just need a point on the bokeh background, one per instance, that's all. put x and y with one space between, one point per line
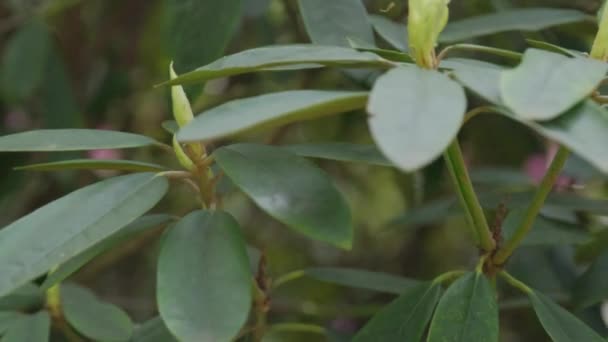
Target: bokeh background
95 64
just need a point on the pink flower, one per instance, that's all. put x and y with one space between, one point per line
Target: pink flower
537 164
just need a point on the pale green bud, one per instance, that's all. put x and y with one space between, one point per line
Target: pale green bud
182 112
182 157
600 46
426 20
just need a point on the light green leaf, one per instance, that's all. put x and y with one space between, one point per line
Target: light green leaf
545 232
368 280
408 124
394 33
561 325
29 328
202 259
547 84
333 22
268 111
404 319
94 164
297 56
290 189
24 60
189 24
467 312
75 223
391 55
7 318
133 229
71 140
592 286
368 154
93 318
24 298
481 79
153 330
524 19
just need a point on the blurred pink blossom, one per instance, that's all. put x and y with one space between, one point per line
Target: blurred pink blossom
105 154
537 164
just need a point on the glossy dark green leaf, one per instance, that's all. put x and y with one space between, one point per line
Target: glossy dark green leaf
24 298
560 324
547 84
368 154
409 126
189 24
297 56
333 22
394 33
268 111
133 229
368 280
290 189
153 330
404 319
592 286
7 318
94 164
71 140
97 320
24 60
468 311
545 232
29 328
75 222
202 259
524 19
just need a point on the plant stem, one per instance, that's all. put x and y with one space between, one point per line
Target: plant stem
515 283
538 201
298 327
477 220
448 276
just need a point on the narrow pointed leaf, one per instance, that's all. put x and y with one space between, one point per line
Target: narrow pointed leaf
73 224
561 325
94 164
297 56
153 330
202 260
368 154
93 318
467 312
404 319
394 33
547 84
29 328
525 19
71 140
592 286
409 126
269 111
333 22
133 229
375 281
290 189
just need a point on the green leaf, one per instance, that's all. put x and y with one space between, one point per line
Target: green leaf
268 111
333 22
545 232
404 319
297 56
553 48
133 229
481 79
394 33
592 286
24 298
407 122
75 223
594 248
367 154
290 189
153 330
368 280
467 312
525 19
204 282
29 328
71 140
7 319
170 126
189 24
24 61
547 84
94 164
93 318
561 325
391 55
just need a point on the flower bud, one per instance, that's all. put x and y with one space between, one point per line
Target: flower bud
600 46
181 106
426 20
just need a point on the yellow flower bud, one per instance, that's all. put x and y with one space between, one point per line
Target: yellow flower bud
600 46
182 112
426 20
